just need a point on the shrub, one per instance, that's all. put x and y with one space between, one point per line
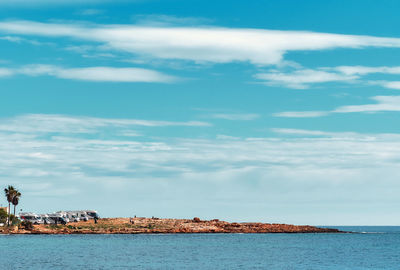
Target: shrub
27 225
15 221
3 215
196 219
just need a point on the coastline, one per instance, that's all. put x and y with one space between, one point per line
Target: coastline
141 225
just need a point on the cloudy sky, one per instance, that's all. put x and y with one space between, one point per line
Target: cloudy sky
274 111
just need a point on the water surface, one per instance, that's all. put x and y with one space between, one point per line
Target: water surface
372 248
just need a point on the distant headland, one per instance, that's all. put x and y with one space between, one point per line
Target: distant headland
89 222
142 225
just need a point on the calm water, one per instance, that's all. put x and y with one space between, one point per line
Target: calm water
375 248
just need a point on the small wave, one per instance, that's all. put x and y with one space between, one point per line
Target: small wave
372 232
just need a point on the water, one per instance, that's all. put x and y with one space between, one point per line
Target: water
372 248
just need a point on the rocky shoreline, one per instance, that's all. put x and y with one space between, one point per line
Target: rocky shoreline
156 225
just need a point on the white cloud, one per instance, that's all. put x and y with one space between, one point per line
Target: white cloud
109 74
301 79
49 123
236 116
11 39
200 44
28 131
319 133
300 132
383 104
99 74
5 72
16 39
301 114
391 85
168 20
226 137
364 70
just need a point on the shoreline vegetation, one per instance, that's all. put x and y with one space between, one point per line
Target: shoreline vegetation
142 225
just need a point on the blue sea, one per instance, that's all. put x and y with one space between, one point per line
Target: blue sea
369 248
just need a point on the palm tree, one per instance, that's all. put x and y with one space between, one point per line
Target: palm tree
15 199
9 191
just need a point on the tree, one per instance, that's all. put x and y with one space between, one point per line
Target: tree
15 199
3 215
9 192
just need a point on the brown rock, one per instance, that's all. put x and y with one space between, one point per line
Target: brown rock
149 225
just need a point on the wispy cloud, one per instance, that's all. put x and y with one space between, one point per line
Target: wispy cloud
391 85
16 39
168 20
326 167
5 72
11 39
301 114
101 74
33 3
236 116
95 74
365 70
383 104
90 12
317 133
302 78
200 44
49 123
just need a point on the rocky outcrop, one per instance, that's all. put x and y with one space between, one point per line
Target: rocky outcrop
156 225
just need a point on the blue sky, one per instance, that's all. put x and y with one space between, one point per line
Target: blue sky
274 111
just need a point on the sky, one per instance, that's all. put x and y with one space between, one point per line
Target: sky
272 111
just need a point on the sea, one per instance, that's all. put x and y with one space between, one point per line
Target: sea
365 248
